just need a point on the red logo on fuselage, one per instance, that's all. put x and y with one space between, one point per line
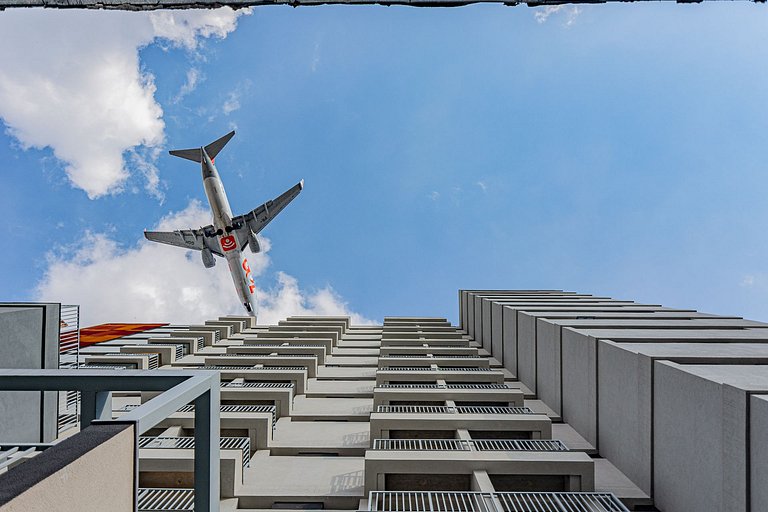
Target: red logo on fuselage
247 268
228 243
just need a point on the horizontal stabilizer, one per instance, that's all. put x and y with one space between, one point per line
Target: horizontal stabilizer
213 149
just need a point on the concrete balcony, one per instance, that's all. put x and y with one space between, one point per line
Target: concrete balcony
432 470
298 331
419 350
298 360
247 340
443 423
168 353
411 374
431 341
192 344
498 394
297 375
279 394
427 360
149 361
319 351
388 501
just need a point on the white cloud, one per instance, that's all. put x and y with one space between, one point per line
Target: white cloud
194 77
153 282
232 103
747 281
71 81
434 195
571 12
482 186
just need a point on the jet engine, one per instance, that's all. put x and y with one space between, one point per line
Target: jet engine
208 260
253 243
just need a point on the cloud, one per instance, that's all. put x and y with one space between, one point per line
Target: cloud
71 81
482 186
434 195
543 13
232 103
194 77
747 281
152 282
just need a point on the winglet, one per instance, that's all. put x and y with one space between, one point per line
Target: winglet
196 154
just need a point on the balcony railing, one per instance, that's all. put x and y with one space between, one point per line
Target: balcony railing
395 385
166 500
403 501
475 409
480 445
258 385
224 408
462 409
416 409
435 369
225 443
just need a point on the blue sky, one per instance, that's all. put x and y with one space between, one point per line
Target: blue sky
610 149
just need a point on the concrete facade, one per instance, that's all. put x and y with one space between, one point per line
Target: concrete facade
536 396
29 338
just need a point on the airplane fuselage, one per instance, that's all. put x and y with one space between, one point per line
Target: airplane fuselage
227 238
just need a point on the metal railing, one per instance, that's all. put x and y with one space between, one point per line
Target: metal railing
559 502
421 445
69 358
13 454
409 386
433 356
478 409
258 385
480 445
180 348
176 388
166 500
153 360
416 409
394 385
403 501
106 366
435 369
225 443
477 386
518 445
461 409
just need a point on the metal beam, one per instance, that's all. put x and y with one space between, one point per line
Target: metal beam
148 5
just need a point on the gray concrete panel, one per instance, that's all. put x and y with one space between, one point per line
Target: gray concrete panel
579 386
579 364
509 338
758 436
548 361
29 336
497 332
688 434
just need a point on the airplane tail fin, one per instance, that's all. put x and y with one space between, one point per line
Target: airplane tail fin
213 149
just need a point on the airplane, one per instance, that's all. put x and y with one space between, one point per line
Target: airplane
228 236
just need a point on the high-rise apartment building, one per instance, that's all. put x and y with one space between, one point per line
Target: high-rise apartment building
539 400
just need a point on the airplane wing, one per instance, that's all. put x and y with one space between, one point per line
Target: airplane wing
186 238
257 219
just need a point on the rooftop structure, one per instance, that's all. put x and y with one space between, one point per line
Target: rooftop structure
537 401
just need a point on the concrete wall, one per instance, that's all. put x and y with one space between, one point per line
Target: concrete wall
91 471
689 443
758 433
29 338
